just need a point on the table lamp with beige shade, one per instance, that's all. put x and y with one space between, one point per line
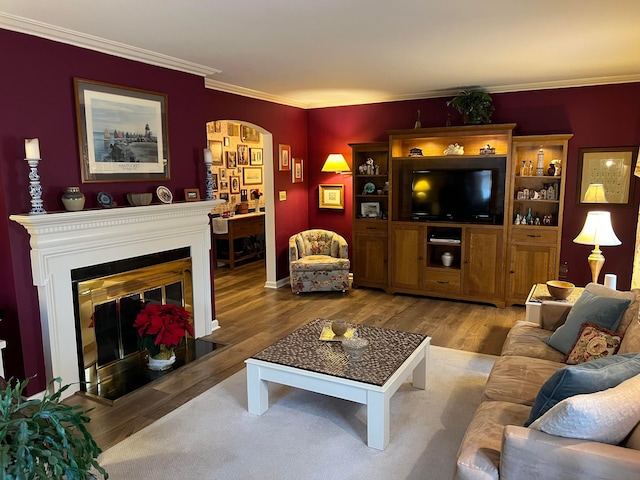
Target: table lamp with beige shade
597 231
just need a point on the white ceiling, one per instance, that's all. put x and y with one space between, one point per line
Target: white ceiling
314 53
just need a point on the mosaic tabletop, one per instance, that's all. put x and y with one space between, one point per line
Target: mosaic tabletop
541 294
303 349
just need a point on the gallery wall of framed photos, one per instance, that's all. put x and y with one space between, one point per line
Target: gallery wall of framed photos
238 165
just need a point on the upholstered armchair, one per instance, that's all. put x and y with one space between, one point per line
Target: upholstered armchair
318 262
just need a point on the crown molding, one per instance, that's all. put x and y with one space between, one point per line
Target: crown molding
443 93
572 83
70 37
247 92
52 32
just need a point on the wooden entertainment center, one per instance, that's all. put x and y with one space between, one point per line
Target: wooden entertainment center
490 259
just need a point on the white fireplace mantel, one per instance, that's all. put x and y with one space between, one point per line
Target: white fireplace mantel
62 242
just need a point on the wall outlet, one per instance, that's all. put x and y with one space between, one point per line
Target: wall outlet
282 195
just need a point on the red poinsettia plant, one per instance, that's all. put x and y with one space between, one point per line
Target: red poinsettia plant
162 327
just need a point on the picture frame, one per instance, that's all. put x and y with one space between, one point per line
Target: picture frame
331 196
224 185
255 155
216 152
252 175
234 184
231 159
613 167
284 157
243 155
191 195
297 170
233 129
249 134
214 181
122 133
370 209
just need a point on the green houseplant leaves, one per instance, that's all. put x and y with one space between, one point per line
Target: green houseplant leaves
475 106
44 438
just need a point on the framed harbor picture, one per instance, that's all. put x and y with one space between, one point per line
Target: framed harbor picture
122 133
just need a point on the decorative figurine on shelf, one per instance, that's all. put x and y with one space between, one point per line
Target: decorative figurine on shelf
368 167
415 152
454 149
551 193
557 165
540 166
551 171
487 150
418 123
529 218
524 171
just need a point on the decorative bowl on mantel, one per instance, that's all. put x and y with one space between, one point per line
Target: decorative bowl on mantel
139 199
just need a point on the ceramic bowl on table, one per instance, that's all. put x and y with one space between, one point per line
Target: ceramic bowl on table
559 289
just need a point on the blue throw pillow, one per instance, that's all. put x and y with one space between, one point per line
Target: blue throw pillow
587 377
606 312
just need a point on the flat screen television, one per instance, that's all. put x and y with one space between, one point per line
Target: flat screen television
457 195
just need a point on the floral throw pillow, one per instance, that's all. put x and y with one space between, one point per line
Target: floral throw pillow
593 342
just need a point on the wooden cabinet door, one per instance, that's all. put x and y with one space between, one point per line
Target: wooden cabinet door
528 265
482 268
407 256
370 260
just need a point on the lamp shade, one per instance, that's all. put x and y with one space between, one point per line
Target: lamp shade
597 230
335 162
595 194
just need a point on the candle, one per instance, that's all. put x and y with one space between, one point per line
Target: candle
208 158
32 148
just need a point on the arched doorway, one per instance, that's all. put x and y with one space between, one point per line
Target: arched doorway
231 133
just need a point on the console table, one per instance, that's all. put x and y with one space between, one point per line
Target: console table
232 228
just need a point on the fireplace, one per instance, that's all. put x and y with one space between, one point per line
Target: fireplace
62 243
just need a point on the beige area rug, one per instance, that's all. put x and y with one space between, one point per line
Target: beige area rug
306 435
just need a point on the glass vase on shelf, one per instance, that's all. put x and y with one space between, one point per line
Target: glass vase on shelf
524 171
529 218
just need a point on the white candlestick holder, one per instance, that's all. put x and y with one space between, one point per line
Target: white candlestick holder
208 181
35 189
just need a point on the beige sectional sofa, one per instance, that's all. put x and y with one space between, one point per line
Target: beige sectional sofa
497 445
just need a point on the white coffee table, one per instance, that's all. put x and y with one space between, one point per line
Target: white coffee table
303 361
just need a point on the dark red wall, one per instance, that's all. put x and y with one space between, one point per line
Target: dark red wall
602 116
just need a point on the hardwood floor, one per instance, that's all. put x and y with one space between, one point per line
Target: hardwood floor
251 317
